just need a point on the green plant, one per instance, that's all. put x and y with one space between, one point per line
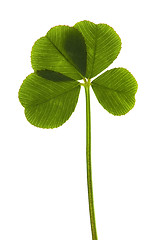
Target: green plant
60 60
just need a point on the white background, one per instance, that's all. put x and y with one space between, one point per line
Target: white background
43 191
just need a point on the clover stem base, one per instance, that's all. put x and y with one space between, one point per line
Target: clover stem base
89 166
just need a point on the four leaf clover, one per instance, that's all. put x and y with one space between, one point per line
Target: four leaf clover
61 59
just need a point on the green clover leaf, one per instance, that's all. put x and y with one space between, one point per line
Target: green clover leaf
49 98
67 54
103 46
62 50
115 90
60 60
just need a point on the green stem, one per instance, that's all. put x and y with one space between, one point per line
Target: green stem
89 166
